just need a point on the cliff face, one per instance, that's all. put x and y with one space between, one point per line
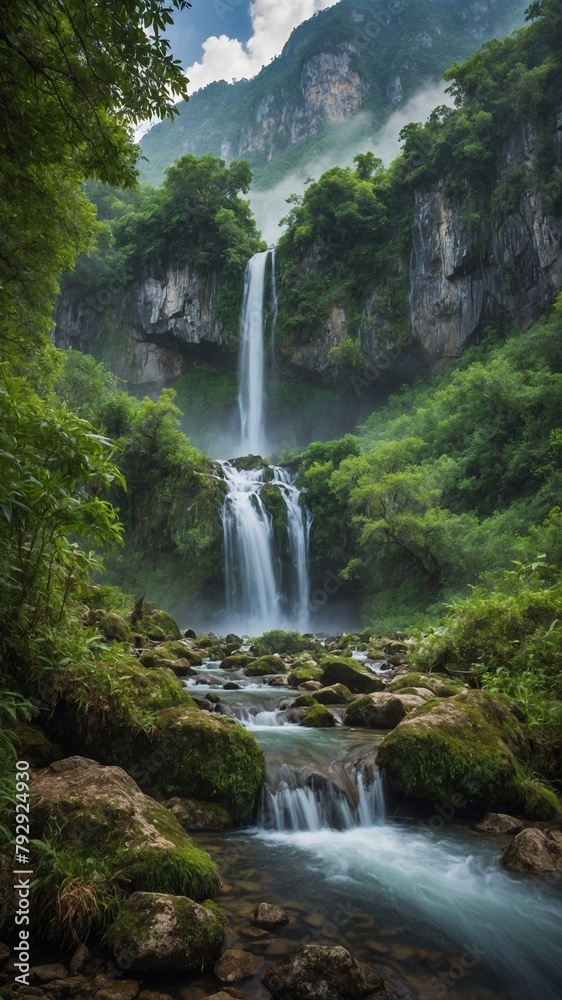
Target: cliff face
147 333
455 289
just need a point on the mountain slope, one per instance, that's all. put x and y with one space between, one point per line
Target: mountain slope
365 56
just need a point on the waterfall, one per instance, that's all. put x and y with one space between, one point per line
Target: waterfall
251 581
250 396
264 589
298 528
320 803
260 590
275 301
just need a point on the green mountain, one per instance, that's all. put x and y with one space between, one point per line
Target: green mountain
338 79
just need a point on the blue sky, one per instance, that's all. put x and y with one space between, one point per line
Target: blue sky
233 39
206 17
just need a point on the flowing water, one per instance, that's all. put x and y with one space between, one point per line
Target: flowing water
426 900
251 395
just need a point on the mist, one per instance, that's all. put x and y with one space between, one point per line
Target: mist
357 136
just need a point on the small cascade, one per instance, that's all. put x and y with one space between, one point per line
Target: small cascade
301 801
250 396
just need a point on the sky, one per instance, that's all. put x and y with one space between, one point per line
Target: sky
233 39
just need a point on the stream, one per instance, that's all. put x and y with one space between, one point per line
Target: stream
432 906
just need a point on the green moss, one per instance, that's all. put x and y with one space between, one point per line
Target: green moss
178 650
185 871
440 684
236 660
539 802
300 674
305 700
318 717
265 665
33 745
344 670
158 625
288 643
469 746
114 628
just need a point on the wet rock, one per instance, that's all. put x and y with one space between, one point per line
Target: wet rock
213 697
534 851
73 988
310 686
79 960
116 989
383 710
343 670
336 694
237 661
318 717
231 686
156 932
46 973
265 665
180 667
278 680
319 972
233 966
499 823
256 933
475 745
194 815
269 917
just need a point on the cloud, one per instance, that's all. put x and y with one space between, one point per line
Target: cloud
226 58
356 136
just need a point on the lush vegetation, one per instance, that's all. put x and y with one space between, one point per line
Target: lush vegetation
349 239
195 218
415 42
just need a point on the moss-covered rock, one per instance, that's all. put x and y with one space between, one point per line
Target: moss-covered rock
157 625
144 721
265 665
466 749
237 661
194 815
114 628
177 650
337 694
109 838
304 700
159 933
344 670
441 685
298 674
382 710
318 717
33 745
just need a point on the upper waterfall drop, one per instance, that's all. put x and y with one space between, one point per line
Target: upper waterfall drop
251 391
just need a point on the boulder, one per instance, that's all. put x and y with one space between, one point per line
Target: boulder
234 965
534 851
320 972
157 625
336 694
178 649
113 627
318 717
237 661
79 960
278 680
115 989
269 917
199 815
46 973
383 710
466 750
101 811
265 665
310 686
155 932
343 670
499 823
300 673
441 685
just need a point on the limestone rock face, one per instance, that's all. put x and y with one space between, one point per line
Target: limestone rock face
455 290
318 972
534 851
156 932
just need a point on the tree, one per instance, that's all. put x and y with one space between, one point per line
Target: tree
76 77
